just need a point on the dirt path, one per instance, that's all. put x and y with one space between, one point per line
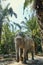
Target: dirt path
15 63
38 61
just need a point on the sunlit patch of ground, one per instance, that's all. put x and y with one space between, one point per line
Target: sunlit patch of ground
17 63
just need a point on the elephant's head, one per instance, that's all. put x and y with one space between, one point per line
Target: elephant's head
19 39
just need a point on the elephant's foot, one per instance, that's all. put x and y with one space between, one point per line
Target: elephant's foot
32 58
21 58
24 61
17 59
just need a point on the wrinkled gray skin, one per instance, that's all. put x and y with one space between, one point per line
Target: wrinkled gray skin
23 45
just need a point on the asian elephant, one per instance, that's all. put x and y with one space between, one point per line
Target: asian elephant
23 45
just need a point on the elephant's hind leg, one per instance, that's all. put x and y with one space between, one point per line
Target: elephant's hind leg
32 53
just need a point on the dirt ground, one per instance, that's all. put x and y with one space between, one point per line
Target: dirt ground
38 61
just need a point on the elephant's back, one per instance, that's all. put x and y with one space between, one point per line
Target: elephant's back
29 43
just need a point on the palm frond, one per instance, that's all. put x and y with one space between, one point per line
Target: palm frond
17 25
12 12
26 3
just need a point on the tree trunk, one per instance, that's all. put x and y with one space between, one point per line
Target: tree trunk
40 18
38 5
0 31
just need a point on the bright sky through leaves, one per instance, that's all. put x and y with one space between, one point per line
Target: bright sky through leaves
17 6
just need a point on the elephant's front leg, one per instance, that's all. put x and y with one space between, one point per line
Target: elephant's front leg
17 54
21 52
27 55
24 56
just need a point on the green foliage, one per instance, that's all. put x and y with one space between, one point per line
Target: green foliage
4 15
6 12
33 30
7 39
27 2
16 24
32 26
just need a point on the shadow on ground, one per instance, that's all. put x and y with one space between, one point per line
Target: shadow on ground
35 62
29 62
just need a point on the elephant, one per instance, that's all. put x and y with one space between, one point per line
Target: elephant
23 45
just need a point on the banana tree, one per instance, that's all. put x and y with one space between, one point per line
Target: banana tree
3 14
7 38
